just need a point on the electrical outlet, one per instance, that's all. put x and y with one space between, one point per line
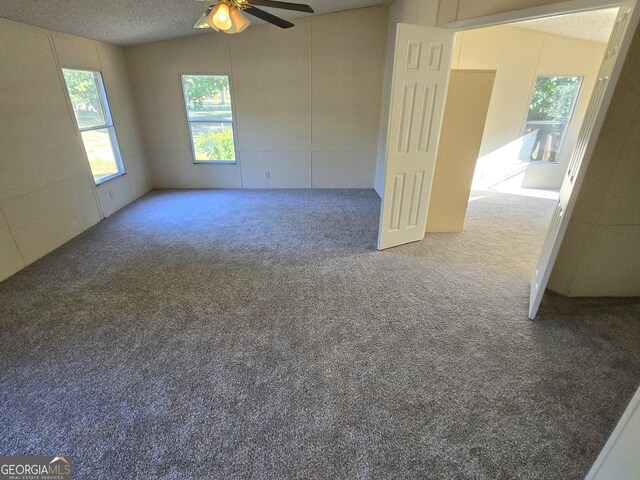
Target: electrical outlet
267 174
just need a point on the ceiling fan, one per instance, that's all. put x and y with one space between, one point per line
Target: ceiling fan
228 15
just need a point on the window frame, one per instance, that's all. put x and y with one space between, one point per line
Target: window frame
189 122
573 111
109 125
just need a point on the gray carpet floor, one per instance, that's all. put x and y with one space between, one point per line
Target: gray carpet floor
259 334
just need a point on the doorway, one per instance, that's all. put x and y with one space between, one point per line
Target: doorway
408 174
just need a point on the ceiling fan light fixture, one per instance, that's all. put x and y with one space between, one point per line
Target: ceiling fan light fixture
239 20
209 19
202 21
221 18
229 15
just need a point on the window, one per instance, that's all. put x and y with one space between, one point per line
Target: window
550 111
89 101
207 99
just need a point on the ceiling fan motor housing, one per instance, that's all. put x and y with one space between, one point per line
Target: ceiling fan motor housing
239 4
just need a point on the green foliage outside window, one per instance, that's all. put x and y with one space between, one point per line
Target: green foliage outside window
83 92
198 88
553 98
215 145
210 116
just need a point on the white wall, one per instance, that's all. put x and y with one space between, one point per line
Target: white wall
520 56
47 193
307 102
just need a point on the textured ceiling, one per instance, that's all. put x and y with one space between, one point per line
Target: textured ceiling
129 22
594 26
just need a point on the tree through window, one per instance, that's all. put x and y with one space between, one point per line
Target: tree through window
210 116
550 110
91 109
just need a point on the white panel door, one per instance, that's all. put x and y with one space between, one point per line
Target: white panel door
419 87
594 117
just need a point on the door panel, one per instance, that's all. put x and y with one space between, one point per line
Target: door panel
419 85
581 155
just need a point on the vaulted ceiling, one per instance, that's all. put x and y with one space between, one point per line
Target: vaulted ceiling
130 22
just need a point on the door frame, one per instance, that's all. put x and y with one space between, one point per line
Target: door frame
533 13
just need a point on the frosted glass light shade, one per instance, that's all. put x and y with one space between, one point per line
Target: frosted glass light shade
240 21
222 19
209 19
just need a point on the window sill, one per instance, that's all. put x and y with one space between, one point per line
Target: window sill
104 180
214 162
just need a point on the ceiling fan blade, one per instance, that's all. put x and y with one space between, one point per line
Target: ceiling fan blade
201 23
267 17
298 7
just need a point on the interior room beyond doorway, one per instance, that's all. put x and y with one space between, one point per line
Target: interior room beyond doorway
545 74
